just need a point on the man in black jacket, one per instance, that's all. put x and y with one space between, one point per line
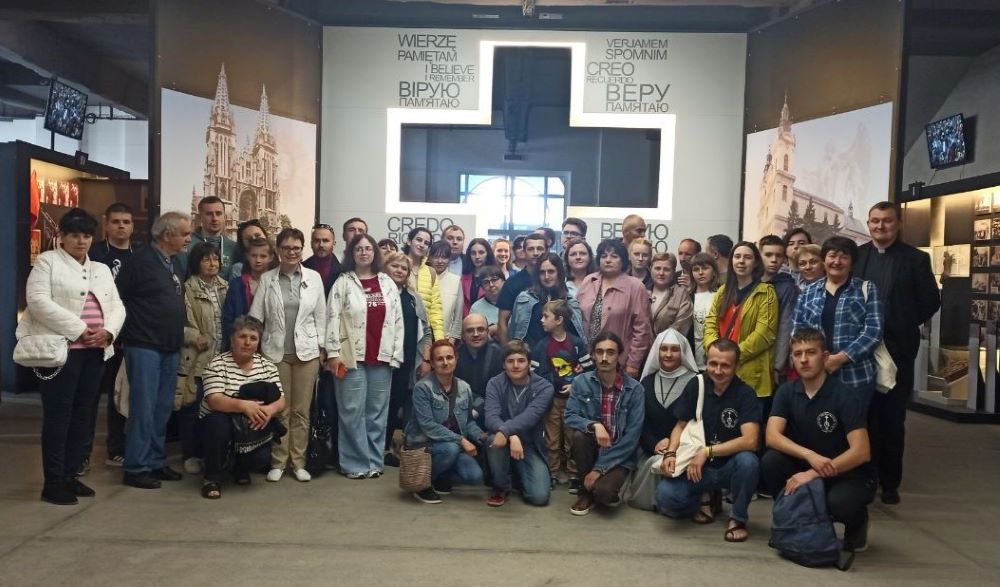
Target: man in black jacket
479 360
152 287
909 294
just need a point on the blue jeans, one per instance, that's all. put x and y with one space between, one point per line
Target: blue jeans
532 470
152 380
679 497
362 411
450 463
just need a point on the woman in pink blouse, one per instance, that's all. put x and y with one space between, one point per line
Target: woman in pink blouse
71 297
614 301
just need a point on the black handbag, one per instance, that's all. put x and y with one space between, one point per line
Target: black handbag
320 437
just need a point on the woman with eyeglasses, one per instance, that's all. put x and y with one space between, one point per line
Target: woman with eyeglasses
477 255
364 339
291 304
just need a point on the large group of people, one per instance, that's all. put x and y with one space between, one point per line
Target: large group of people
517 367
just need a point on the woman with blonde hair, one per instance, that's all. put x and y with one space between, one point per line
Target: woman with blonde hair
670 303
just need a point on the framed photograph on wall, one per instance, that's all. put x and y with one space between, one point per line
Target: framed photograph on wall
984 203
995 233
994 311
980 283
994 283
981 256
981 229
978 309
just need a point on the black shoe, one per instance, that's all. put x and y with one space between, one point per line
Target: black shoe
428 495
79 489
166 474
890 496
141 480
58 494
390 460
443 487
574 486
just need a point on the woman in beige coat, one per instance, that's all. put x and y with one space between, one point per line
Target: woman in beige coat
670 305
204 294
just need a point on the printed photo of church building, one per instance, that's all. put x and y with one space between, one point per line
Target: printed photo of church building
244 177
783 206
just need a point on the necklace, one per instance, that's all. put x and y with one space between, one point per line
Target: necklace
659 390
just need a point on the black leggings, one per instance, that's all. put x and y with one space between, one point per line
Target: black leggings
846 495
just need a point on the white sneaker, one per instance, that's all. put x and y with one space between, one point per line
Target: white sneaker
302 475
275 475
192 466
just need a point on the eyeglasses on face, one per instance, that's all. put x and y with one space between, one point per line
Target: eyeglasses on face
291 250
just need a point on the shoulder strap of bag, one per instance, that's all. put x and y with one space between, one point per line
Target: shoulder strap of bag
701 397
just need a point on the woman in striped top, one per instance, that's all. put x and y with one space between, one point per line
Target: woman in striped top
223 380
72 297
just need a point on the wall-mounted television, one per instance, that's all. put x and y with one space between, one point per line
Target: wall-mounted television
946 142
66 110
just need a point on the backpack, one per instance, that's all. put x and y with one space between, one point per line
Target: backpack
320 447
802 530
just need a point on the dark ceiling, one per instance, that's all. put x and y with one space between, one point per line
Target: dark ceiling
105 47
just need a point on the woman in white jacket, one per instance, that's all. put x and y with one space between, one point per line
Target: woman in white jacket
364 340
76 299
291 303
450 285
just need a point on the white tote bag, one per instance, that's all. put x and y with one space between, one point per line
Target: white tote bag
693 435
885 367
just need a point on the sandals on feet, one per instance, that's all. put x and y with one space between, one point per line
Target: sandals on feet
732 532
211 490
706 517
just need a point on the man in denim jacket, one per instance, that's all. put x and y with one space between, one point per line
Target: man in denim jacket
605 410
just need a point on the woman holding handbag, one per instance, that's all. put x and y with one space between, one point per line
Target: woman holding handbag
364 342
70 301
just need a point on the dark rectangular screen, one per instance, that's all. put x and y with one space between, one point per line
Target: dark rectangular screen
66 111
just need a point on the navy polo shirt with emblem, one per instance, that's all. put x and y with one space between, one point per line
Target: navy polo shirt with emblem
819 424
723 415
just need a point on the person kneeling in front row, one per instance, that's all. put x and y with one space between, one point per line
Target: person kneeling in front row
516 403
605 410
442 421
731 416
818 428
243 385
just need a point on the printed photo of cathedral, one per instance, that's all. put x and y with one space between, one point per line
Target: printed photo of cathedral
244 177
844 174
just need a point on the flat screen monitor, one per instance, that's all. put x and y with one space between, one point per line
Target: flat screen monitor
66 111
946 142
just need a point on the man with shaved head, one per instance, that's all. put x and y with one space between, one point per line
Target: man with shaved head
479 359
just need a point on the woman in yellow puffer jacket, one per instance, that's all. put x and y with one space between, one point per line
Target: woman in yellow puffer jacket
422 279
745 310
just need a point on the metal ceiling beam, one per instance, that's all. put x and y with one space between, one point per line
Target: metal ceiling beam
37 48
68 11
12 97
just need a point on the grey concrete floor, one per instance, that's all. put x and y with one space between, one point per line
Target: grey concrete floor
336 531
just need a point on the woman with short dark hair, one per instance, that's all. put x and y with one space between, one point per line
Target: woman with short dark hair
204 294
291 303
450 287
75 300
614 301
849 313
